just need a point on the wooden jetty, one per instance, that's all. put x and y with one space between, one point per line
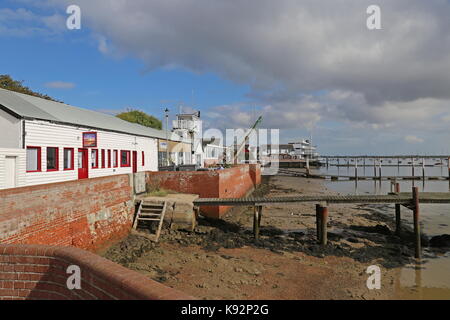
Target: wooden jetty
409 200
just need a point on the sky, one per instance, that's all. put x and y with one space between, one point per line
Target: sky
310 68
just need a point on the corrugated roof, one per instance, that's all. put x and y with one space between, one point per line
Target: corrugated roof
31 107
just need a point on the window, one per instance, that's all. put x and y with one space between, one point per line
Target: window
109 158
103 158
143 158
68 158
52 159
125 159
115 159
94 158
33 159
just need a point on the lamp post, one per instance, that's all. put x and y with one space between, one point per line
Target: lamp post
167 136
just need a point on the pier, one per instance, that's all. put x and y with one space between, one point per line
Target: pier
410 200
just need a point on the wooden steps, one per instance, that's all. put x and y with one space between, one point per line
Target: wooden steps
151 211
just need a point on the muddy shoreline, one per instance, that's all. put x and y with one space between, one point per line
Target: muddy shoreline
221 260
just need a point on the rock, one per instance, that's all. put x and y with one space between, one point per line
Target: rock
353 240
440 241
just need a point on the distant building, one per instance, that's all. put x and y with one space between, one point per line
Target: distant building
304 149
189 126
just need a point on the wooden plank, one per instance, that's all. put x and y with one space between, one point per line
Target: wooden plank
137 215
158 232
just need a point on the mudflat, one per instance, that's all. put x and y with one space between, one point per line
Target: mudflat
222 260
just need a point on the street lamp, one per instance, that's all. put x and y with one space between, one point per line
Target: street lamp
167 136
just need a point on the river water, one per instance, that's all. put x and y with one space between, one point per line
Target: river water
430 280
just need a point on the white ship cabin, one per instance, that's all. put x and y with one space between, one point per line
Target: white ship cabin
42 142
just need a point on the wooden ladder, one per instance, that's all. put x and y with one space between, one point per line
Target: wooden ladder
151 211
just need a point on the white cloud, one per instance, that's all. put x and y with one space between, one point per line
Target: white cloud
413 139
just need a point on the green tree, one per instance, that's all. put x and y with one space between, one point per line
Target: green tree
8 83
139 117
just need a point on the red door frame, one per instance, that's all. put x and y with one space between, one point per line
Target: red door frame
135 161
83 173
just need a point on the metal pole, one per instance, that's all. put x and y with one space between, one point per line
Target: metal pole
167 136
415 192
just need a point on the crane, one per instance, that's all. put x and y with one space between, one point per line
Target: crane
242 145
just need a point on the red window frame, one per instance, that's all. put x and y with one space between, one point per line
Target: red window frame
56 160
73 159
39 158
109 158
116 156
103 158
128 164
143 158
96 160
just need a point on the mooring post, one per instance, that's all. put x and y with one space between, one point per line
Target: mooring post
318 221
398 221
356 169
374 168
448 172
379 169
423 169
415 192
412 166
257 210
323 225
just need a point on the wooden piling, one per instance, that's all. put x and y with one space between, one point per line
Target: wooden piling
323 225
356 169
449 172
416 209
423 169
374 168
398 221
318 221
257 213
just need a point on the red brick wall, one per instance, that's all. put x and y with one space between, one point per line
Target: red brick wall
235 182
40 272
87 214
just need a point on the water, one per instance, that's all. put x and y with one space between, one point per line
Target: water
432 279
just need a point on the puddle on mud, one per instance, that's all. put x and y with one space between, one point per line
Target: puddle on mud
432 279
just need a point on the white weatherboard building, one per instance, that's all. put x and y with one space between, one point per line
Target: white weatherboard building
42 142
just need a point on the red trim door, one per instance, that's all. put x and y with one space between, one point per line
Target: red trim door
83 164
135 162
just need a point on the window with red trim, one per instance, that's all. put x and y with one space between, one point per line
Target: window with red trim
109 158
94 158
125 158
115 159
103 159
52 159
69 158
34 159
143 158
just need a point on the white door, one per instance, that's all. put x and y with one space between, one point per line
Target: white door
10 166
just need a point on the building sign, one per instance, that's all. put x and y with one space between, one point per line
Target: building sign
89 139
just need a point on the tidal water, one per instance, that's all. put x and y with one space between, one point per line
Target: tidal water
430 279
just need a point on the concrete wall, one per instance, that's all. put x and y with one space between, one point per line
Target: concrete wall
36 272
87 214
235 182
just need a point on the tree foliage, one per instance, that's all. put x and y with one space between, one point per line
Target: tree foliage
139 117
8 83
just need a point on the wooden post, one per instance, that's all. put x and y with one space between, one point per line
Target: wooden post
449 172
374 168
412 166
323 225
307 166
256 220
318 221
379 169
423 169
356 169
398 221
415 192
327 162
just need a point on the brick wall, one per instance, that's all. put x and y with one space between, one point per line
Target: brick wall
40 272
235 182
87 214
